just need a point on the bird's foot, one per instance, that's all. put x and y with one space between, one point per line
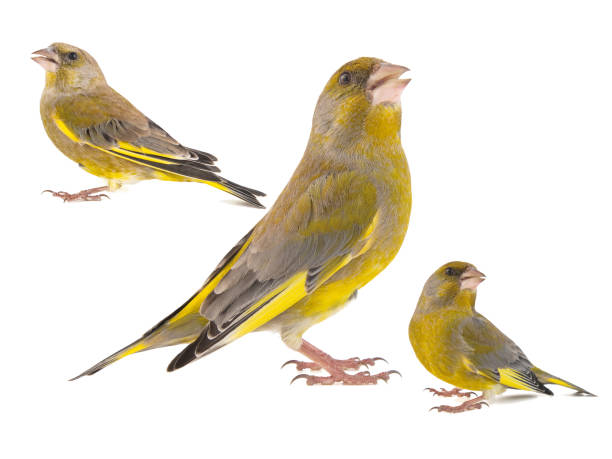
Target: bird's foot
354 363
319 360
456 392
362 378
469 405
86 195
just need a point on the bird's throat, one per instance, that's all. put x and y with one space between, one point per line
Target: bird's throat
384 121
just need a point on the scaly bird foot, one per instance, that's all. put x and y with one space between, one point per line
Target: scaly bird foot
354 363
85 195
336 369
456 392
469 405
360 379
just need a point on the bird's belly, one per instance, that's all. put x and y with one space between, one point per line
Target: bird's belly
310 310
110 167
334 294
98 162
432 340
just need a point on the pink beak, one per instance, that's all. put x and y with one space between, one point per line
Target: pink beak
384 85
471 279
47 58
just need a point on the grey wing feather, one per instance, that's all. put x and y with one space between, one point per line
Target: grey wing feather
148 135
491 351
276 256
284 244
491 348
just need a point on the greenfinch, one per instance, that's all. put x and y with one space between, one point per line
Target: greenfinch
106 135
461 347
338 223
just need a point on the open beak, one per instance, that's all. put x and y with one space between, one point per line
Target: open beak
47 58
384 85
471 278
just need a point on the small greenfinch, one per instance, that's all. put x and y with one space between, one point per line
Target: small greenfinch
338 223
461 347
106 135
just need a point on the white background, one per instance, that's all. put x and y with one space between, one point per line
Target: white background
506 128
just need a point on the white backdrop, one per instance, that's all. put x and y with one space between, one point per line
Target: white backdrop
506 128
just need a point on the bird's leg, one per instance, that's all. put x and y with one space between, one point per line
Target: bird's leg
469 405
336 368
85 195
456 392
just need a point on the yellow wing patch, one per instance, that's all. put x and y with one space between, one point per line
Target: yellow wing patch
284 297
198 299
65 130
519 380
368 232
134 152
288 294
139 155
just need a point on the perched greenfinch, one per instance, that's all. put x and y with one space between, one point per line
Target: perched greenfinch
461 347
106 135
338 223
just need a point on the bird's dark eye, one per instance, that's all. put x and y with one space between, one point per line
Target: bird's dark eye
73 56
345 78
451 272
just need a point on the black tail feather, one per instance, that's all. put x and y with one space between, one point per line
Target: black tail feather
205 171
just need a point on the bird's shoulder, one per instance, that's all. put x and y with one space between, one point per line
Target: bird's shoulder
330 202
97 107
488 347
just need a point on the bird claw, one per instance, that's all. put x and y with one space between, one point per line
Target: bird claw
85 195
358 379
299 366
353 363
460 408
456 392
468 405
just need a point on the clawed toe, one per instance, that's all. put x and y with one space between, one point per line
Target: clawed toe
456 392
358 379
469 405
372 361
337 369
354 363
300 366
460 408
85 195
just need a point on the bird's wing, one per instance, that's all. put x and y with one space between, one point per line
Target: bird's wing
300 244
492 354
108 122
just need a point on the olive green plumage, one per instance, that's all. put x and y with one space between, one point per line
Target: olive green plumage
460 346
106 135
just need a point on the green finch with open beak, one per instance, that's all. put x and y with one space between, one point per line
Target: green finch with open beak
338 223
106 135
461 347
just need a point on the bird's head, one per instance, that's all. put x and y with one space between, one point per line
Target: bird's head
364 93
453 283
69 67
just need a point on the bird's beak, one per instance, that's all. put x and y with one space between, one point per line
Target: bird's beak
384 85
471 278
47 58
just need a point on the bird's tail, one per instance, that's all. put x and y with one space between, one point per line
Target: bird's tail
547 378
189 171
185 324
182 326
241 192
